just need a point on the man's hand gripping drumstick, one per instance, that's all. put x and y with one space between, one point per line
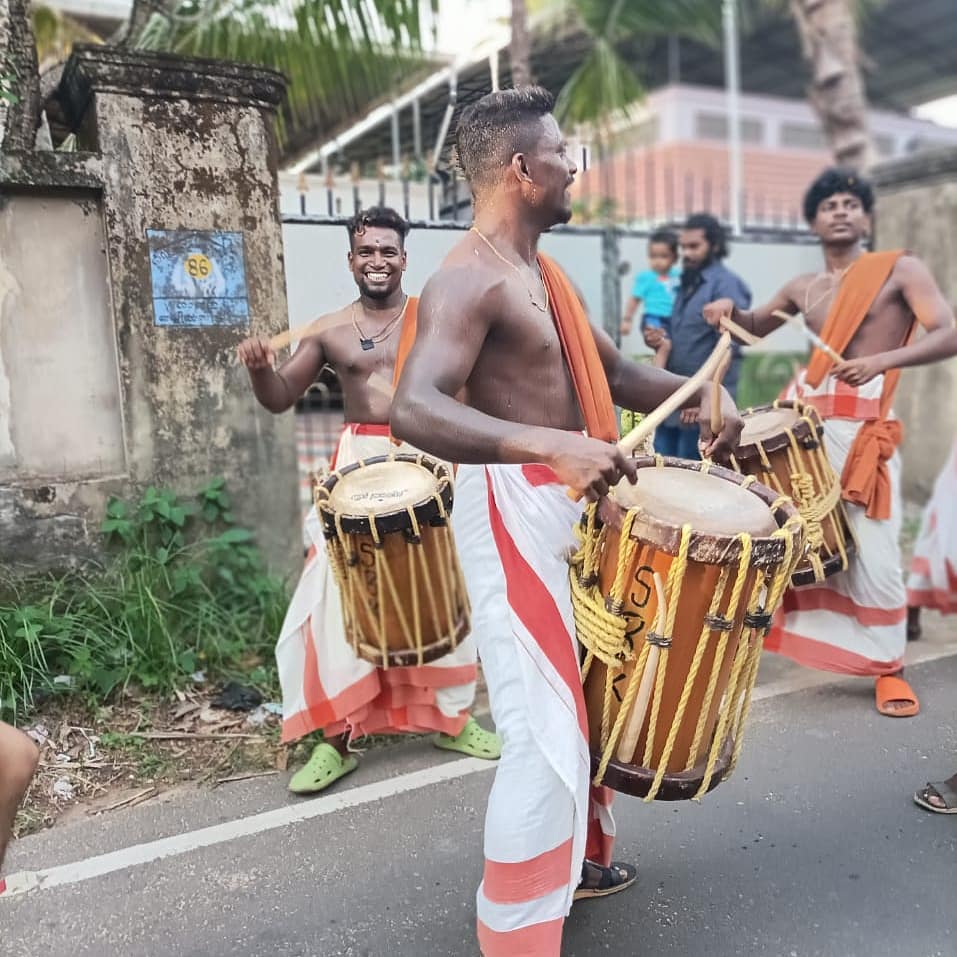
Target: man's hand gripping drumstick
673 403
260 353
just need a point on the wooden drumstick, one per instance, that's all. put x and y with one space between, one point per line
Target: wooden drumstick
717 419
675 401
313 328
748 338
629 737
808 333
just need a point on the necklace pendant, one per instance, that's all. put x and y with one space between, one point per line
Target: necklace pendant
367 344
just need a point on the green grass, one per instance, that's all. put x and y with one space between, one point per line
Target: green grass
184 590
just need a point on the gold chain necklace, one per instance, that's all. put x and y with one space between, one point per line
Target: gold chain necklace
834 285
507 262
369 342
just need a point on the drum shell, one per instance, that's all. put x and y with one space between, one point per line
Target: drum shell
403 597
810 450
414 567
743 557
698 586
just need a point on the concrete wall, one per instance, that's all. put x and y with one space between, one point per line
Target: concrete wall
167 144
917 210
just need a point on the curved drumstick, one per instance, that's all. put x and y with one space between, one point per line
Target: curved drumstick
717 420
675 401
809 333
629 737
748 338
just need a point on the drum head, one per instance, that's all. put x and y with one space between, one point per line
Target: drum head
761 424
709 504
382 487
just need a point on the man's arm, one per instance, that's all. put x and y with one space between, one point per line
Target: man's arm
642 388
278 390
758 321
454 320
926 302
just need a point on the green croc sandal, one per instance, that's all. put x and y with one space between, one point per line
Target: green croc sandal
473 740
325 766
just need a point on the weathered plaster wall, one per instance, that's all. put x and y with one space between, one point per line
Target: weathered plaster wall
183 145
917 210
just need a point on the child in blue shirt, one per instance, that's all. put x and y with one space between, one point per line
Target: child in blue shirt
655 289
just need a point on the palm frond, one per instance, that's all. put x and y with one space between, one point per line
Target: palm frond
601 85
336 54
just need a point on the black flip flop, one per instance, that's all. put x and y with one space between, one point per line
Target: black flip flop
617 877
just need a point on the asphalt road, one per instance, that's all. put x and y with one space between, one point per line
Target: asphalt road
813 849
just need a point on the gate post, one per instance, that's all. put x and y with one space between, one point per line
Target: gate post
611 282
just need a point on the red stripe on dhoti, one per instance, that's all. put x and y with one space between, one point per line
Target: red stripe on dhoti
535 607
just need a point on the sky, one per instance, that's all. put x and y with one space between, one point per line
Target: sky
943 111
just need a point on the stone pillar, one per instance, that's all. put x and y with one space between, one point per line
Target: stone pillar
185 181
917 210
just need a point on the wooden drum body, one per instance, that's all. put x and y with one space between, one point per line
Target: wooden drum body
386 523
673 591
782 446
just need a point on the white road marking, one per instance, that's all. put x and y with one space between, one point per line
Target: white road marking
241 827
138 854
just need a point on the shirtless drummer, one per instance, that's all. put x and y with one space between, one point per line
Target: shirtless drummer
505 325
325 686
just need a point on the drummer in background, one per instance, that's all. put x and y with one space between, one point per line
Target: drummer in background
865 306
506 326
325 685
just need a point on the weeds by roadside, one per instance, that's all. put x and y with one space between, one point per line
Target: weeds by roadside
185 590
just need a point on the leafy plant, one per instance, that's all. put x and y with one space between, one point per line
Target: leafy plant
185 589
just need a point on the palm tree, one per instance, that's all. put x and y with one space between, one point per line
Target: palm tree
520 48
337 54
828 31
604 83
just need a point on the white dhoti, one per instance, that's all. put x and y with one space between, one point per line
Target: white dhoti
933 572
324 685
853 622
543 815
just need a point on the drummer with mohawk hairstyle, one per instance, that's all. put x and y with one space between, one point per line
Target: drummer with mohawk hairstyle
501 326
865 307
325 685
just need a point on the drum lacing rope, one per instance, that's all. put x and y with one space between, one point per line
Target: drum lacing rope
791 532
815 507
602 631
610 738
719 736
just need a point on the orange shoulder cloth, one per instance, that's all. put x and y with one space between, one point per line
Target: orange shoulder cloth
581 353
865 480
406 337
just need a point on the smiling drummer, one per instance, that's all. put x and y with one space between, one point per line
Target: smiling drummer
325 686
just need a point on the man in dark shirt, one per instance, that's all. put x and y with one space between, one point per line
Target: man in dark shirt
703 246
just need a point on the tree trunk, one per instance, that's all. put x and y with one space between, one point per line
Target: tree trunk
129 33
520 49
829 43
18 65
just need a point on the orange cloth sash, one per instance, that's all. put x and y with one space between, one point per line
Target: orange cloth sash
865 480
581 353
406 337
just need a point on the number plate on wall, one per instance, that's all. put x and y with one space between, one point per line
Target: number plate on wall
199 278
